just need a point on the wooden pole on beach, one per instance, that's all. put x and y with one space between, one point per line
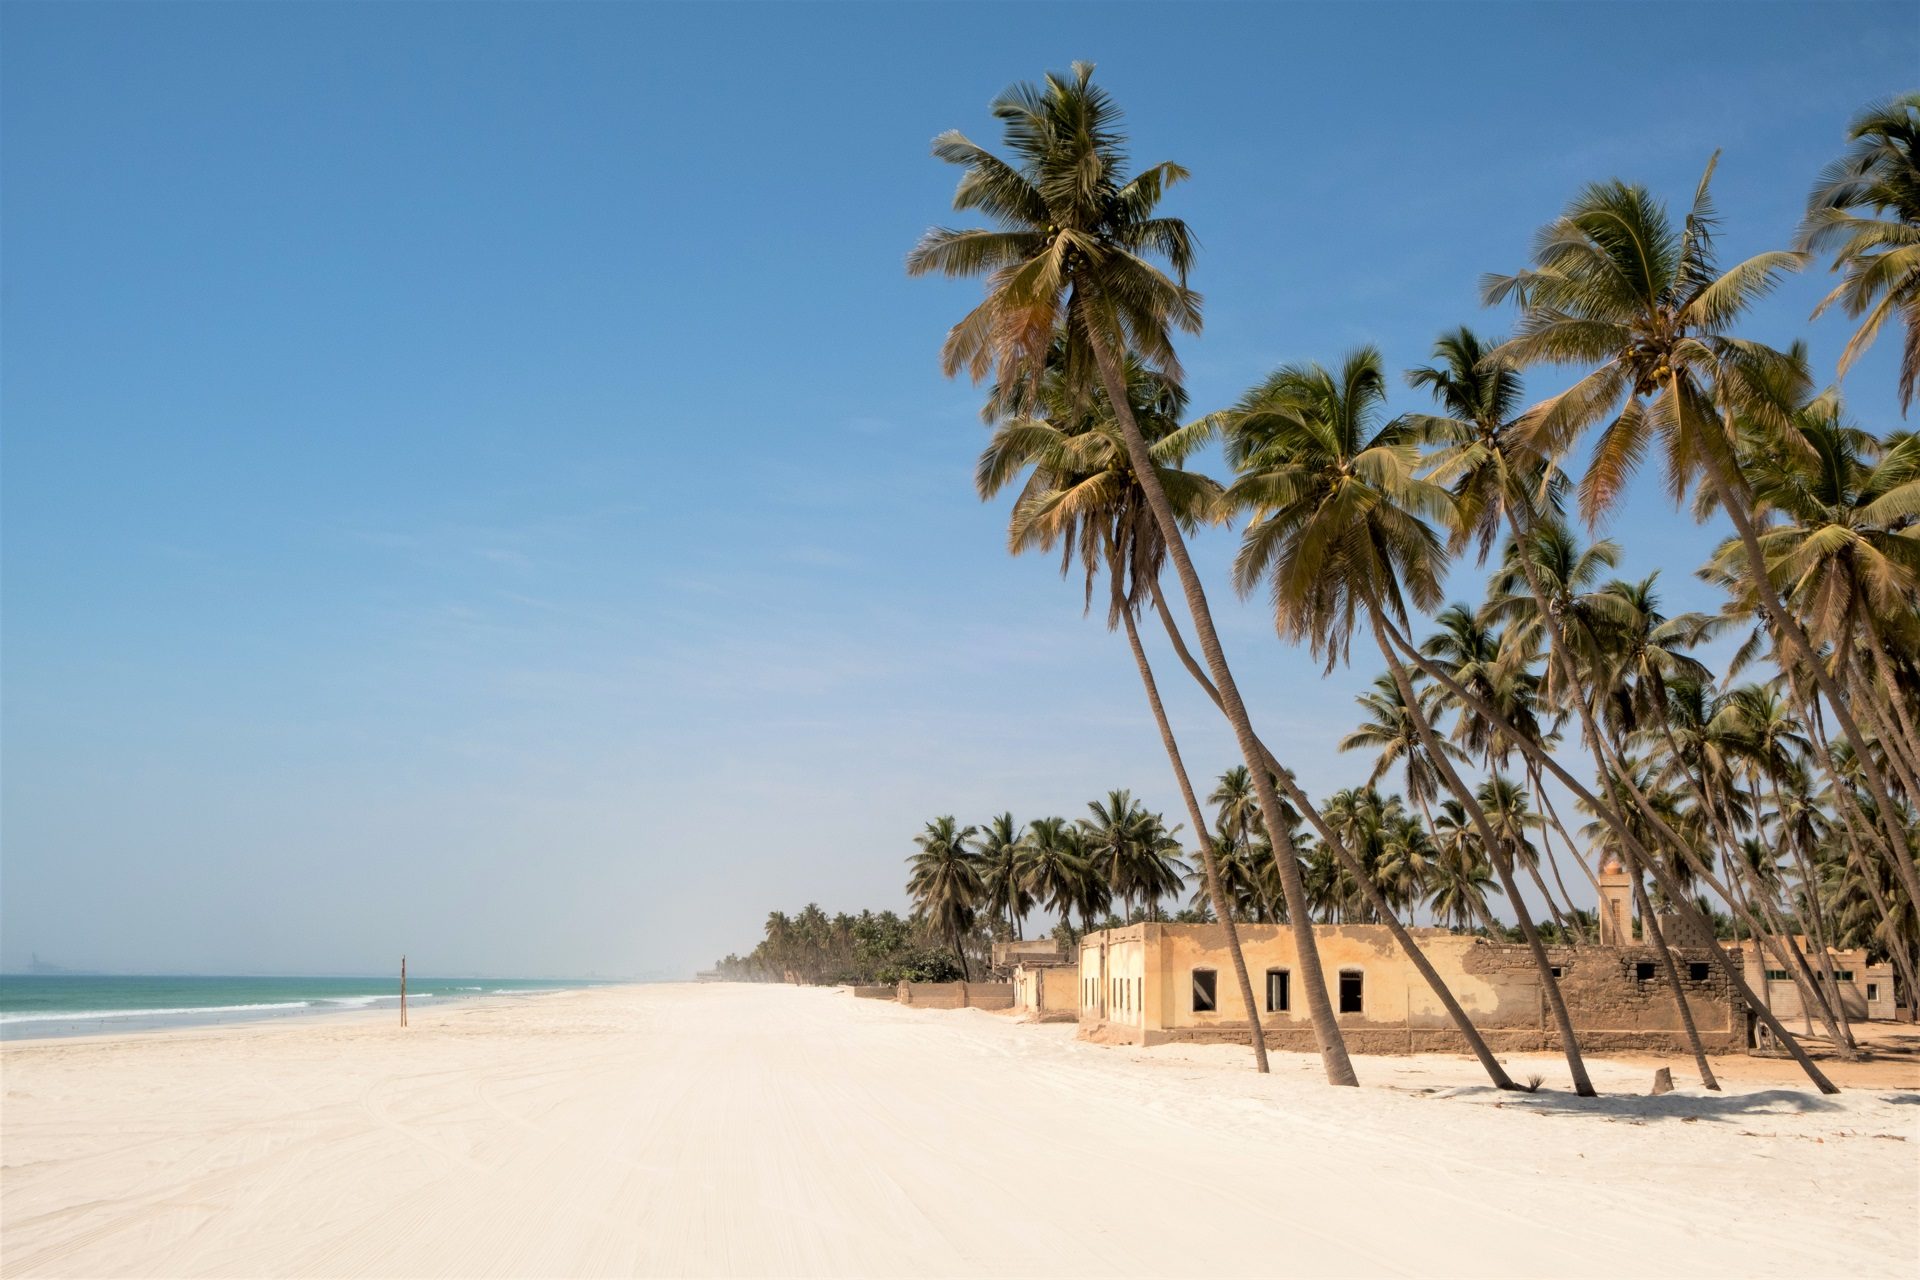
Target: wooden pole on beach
403 991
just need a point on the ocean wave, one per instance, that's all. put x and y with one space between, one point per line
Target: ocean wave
360 1002
88 1015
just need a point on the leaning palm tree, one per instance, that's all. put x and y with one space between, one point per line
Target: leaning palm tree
1839 507
1616 286
1865 208
944 882
1073 257
1337 531
1502 477
1081 497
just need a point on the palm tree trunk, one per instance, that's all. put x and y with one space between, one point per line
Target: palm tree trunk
1859 827
1655 939
1896 945
1884 665
1569 1043
1313 982
1732 496
1476 1043
1551 824
1207 865
1769 932
1885 732
1810 891
1774 933
1540 883
1634 850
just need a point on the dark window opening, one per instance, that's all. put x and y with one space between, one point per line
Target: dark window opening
1277 990
1643 971
1776 975
1873 991
1203 1000
1558 972
1697 971
1350 991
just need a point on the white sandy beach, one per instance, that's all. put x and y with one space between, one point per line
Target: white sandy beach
731 1130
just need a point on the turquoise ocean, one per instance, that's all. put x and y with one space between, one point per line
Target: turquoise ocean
48 1004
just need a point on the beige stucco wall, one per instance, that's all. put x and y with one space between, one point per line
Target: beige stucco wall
1497 985
957 995
1783 995
1123 988
1048 992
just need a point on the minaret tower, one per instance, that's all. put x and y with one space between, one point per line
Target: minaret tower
1616 903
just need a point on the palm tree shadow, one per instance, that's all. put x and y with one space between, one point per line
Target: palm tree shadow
1642 1108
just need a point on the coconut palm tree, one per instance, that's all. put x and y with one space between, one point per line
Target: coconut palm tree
1337 530
1838 509
1236 808
1501 478
944 882
1616 286
1003 892
1461 879
1388 732
1073 256
1080 496
1054 868
1865 209
1510 813
1133 850
1159 872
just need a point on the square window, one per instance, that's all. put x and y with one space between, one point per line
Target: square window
1351 994
1558 972
1698 971
1277 993
1203 998
1643 971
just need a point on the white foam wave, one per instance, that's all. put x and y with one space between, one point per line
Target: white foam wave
360 1002
89 1015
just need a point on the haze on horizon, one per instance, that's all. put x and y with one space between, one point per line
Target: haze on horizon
479 481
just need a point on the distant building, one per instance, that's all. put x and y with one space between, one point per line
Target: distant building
1864 991
1158 983
1008 955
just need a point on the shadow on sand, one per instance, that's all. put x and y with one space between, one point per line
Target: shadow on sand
1644 1107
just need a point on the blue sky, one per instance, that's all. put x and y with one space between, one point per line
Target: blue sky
479 483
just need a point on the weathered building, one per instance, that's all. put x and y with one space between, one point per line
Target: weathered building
1047 992
1158 983
1864 991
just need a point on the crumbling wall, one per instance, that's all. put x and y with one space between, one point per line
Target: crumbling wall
1617 996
